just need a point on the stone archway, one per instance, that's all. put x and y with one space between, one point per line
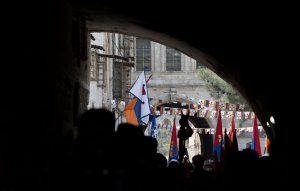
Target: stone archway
159 100
245 49
203 44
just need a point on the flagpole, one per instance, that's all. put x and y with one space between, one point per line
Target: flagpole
147 92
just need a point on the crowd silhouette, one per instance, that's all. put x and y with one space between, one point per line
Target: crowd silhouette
102 158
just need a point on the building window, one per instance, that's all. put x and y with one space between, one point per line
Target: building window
93 67
143 54
173 59
101 71
117 77
121 80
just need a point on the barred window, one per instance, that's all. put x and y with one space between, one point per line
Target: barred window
93 68
117 77
143 54
173 59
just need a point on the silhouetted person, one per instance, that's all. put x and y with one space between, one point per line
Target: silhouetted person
200 179
242 167
185 132
175 176
198 161
93 157
135 154
160 161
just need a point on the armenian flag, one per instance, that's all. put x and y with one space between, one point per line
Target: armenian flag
255 144
173 154
218 137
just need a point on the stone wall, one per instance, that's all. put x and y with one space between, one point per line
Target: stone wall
164 85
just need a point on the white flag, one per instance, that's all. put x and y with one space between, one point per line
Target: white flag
139 90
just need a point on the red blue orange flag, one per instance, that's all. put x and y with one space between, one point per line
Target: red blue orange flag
218 137
267 145
153 126
139 90
173 154
255 144
131 112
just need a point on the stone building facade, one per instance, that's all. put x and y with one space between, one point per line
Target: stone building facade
116 60
112 58
173 74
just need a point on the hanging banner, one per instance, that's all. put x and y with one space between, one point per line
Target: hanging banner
204 112
238 115
216 105
247 113
252 115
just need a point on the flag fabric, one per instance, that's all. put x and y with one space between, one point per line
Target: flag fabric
242 107
218 165
252 115
255 144
173 154
239 115
222 105
132 111
206 103
213 114
232 129
222 114
140 91
267 145
201 103
212 103
153 126
226 106
218 137
247 113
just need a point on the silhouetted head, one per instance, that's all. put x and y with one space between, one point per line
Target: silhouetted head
198 161
184 120
96 123
249 155
130 139
160 160
150 145
128 130
174 164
